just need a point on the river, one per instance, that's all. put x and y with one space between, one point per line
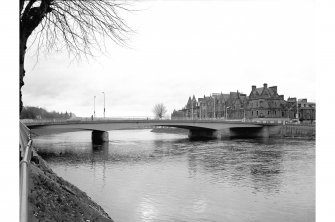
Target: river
144 176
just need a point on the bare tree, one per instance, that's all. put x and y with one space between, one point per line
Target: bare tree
79 26
159 110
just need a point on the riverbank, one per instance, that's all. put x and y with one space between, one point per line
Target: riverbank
51 198
298 131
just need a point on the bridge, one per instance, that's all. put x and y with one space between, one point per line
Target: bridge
197 128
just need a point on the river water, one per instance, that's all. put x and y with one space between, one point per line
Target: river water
144 176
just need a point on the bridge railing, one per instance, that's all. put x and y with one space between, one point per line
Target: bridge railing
25 156
263 121
85 119
266 121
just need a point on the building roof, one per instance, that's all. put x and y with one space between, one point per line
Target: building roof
264 91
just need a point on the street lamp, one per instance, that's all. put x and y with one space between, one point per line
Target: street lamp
297 115
288 112
192 108
243 114
226 112
94 106
214 107
104 104
243 120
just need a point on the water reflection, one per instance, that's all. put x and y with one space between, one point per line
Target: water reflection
142 176
147 210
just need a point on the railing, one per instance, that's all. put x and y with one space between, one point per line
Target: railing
263 121
25 154
89 118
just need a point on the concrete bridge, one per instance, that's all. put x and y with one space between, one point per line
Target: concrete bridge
197 128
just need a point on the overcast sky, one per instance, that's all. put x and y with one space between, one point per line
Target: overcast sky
184 48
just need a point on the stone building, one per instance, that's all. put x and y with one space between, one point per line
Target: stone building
191 108
217 105
263 102
305 110
178 114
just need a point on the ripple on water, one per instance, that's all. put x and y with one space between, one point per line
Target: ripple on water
142 176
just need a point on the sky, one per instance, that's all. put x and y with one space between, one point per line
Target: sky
180 49
232 40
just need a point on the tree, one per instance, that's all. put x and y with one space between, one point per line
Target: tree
79 26
31 112
159 110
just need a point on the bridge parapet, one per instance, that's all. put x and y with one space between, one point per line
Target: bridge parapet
259 121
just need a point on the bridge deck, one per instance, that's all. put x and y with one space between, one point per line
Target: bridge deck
47 127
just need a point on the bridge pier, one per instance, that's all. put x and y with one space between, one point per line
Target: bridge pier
98 137
255 132
202 134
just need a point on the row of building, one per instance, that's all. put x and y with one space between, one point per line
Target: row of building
263 102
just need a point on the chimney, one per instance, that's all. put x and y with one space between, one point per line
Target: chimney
253 88
265 85
274 89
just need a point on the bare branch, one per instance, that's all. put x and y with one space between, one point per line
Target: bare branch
159 110
78 25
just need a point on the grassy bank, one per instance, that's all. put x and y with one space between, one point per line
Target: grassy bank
51 198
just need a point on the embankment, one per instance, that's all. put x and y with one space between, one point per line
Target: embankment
51 198
299 130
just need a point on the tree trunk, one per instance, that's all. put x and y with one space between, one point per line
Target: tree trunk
23 47
31 17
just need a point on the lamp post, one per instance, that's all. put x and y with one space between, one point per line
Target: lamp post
226 112
297 115
192 108
94 106
104 104
214 107
288 112
243 114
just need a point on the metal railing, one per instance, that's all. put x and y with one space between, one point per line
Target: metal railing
264 121
25 154
89 118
